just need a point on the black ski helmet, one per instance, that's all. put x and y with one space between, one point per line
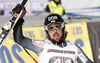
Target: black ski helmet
53 18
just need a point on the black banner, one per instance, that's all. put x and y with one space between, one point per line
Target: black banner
94 36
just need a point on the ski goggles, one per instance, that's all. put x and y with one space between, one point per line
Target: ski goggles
52 26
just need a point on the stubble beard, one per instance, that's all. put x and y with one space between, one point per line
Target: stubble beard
58 40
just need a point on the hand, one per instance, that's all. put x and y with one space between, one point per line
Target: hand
18 8
20 22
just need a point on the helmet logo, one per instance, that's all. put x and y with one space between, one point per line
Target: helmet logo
51 18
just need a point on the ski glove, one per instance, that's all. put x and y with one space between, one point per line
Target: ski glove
20 22
18 8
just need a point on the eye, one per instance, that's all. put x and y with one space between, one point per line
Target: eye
51 28
57 26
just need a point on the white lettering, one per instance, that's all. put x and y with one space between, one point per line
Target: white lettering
52 18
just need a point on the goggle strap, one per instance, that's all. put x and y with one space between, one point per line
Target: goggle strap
46 28
63 24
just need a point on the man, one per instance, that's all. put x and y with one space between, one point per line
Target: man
56 50
55 6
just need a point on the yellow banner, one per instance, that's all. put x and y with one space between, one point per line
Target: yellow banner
11 52
78 34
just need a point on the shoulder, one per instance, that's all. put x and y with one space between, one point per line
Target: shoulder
39 43
79 50
51 2
71 44
75 46
47 42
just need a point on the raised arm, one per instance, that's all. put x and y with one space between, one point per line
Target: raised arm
24 41
18 35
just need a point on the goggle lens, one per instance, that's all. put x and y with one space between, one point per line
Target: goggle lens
57 26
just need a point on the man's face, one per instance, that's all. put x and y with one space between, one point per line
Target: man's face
56 35
57 0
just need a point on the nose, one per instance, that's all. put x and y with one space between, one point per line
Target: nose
55 30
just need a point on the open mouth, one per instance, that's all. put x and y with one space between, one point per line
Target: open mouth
56 35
